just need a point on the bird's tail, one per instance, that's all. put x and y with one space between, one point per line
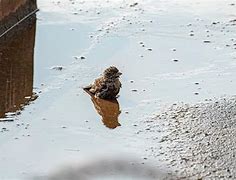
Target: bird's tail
87 88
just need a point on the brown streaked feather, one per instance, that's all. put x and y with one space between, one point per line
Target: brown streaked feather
97 85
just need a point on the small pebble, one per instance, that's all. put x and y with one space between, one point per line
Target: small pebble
207 41
134 4
58 68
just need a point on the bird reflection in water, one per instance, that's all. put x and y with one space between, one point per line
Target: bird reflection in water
108 109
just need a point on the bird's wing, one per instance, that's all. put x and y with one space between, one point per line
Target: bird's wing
98 85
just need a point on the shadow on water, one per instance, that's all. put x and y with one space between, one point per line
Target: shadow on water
109 110
108 168
16 68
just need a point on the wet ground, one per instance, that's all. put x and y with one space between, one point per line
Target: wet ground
168 51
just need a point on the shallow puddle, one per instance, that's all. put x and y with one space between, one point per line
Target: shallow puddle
160 48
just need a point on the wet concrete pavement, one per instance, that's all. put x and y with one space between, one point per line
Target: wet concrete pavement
168 52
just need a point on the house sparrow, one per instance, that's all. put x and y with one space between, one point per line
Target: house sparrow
107 86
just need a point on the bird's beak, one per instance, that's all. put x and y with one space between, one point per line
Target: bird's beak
119 73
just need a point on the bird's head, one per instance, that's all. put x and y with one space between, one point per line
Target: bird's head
112 72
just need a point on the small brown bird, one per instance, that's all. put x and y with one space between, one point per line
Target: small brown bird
107 86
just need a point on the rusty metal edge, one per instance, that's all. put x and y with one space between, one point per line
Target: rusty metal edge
20 21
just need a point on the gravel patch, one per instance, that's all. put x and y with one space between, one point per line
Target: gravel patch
199 140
